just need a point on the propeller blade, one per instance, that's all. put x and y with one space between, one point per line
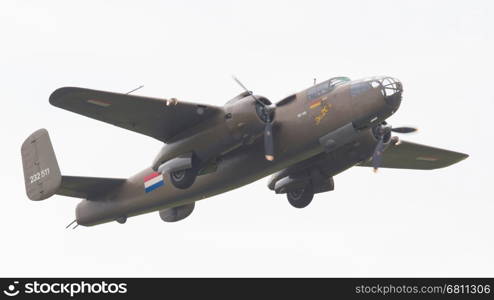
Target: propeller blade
404 129
377 155
268 142
250 92
241 84
268 129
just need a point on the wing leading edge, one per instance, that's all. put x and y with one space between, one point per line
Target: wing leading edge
158 118
408 155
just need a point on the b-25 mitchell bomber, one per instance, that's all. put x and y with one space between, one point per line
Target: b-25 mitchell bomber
304 140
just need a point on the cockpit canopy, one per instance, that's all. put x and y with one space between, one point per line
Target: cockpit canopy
325 87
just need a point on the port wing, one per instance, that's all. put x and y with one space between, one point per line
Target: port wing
161 119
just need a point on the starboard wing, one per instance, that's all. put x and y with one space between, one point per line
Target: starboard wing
408 155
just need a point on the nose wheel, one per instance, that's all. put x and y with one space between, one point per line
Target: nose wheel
300 198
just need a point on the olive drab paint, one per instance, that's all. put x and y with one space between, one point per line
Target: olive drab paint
303 140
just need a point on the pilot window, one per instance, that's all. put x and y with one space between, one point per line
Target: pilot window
338 80
325 87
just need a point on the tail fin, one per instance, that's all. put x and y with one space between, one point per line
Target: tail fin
41 172
43 178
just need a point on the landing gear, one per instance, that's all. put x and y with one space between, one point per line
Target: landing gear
183 179
300 198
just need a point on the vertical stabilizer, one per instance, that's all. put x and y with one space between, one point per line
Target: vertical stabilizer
41 172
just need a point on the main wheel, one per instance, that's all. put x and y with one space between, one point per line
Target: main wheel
301 197
183 179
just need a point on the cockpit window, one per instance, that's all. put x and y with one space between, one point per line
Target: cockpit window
338 80
325 87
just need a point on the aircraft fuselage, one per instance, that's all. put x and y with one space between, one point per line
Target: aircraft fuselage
299 124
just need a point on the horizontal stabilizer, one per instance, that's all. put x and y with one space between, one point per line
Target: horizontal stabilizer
87 187
42 175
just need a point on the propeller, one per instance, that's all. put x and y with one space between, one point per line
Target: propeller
381 131
404 129
268 128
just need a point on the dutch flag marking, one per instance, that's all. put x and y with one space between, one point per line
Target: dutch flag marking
153 181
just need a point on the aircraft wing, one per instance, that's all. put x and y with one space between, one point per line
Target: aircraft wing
408 155
158 118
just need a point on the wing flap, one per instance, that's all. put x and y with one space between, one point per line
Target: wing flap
158 118
408 155
87 187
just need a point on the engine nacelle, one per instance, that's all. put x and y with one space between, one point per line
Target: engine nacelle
313 177
338 137
178 213
245 117
179 163
288 184
243 121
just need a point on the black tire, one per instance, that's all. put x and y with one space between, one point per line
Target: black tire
300 198
183 179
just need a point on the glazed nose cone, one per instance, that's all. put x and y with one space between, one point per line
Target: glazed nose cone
392 90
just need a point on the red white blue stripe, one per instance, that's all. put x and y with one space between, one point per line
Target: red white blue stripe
153 181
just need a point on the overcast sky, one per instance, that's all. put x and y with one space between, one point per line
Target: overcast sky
394 223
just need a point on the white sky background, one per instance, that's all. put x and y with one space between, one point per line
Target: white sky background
395 223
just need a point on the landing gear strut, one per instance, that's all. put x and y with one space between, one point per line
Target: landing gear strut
300 198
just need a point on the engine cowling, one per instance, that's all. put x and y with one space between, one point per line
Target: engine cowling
375 133
245 117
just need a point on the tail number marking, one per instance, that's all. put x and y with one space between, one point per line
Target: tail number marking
37 176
